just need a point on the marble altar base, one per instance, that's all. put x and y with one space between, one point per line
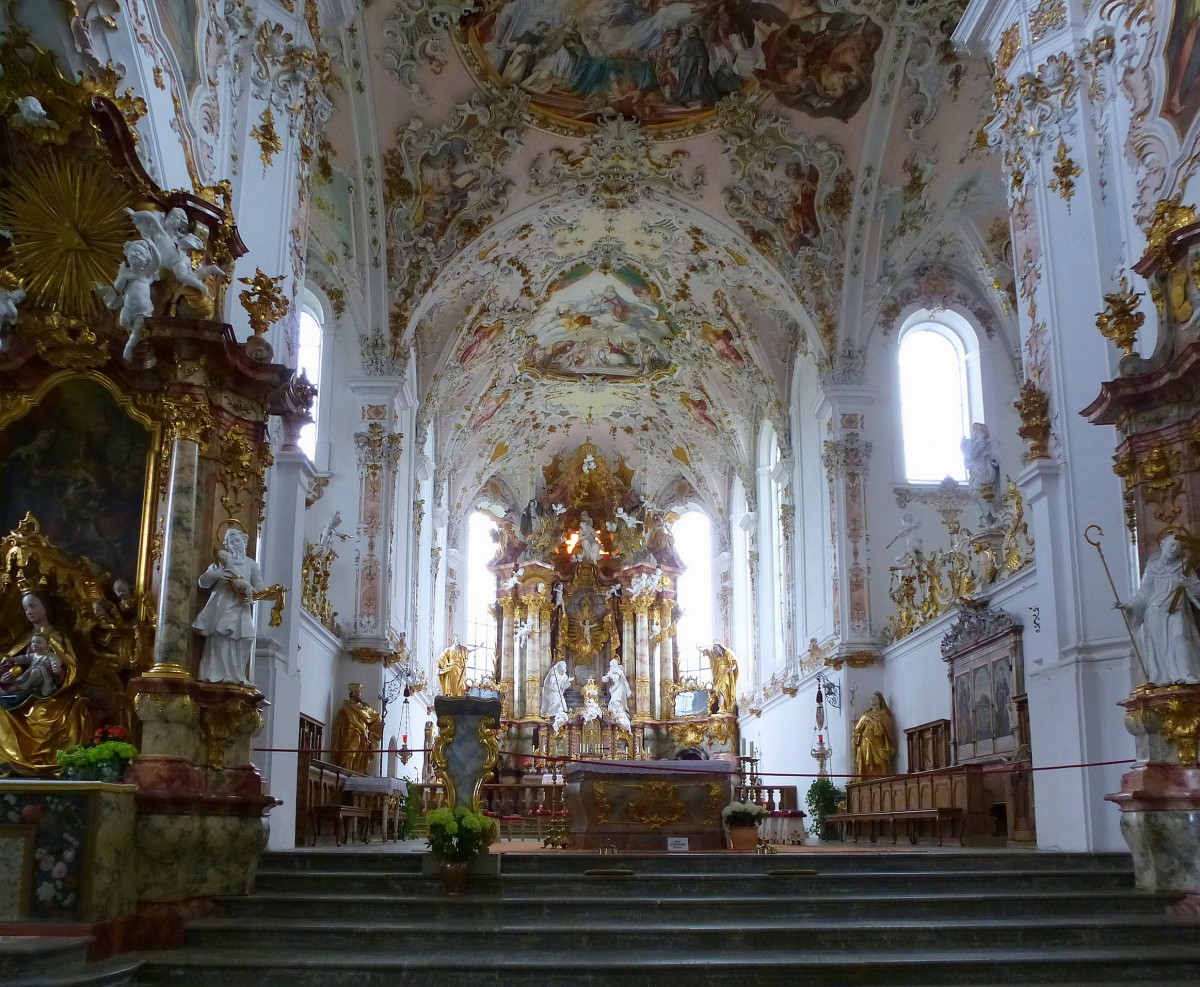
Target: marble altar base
637 805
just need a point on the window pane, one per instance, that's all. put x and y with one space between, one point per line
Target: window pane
309 361
481 596
693 542
933 401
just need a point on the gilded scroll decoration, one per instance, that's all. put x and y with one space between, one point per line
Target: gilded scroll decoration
1121 320
315 569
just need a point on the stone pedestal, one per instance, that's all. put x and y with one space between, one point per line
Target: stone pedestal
1160 796
201 823
466 746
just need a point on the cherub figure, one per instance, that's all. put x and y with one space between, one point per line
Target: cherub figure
129 295
11 295
174 242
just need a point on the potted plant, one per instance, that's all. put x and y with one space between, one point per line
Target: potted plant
456 837
103 758
822 798
743 818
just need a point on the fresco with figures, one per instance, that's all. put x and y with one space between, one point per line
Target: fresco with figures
1182 56
668 62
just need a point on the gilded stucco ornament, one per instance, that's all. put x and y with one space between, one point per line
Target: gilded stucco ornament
266 137
1033 407
1121 320
265 304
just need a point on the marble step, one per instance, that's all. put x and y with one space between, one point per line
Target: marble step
522 934
60 961
619 881
387 860
431 905
664 966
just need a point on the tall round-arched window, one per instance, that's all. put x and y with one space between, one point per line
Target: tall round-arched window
309 362
938 397
481 596
693 542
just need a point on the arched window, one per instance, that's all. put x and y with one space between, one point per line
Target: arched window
693 542
308 360
940 394
481 595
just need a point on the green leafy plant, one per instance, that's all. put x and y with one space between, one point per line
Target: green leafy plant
109 745
458 834
822 798
743 814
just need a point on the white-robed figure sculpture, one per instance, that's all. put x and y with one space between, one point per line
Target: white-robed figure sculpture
1163 608
618 695
227 620
554 695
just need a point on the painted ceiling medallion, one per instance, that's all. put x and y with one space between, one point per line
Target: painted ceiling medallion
667 63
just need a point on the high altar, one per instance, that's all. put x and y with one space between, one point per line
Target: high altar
586 613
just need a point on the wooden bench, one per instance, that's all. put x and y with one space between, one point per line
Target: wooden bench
327 802
942 818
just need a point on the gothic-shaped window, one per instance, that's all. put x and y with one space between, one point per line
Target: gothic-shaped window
693 542
939 395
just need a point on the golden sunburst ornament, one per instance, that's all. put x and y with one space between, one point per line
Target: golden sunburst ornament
68 227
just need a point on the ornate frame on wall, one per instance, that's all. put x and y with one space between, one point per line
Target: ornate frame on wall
984 660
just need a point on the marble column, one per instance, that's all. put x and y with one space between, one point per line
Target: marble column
641 611
510 659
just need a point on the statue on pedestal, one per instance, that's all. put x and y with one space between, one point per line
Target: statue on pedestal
452 669
724 678
227 620
554 695
1163 608
357 732
874 740
983 471
618 695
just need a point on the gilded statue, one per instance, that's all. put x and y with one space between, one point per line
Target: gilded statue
875 740
724 678
452 669
41 710
357 732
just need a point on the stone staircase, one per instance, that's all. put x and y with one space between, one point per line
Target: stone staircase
42 961
557 919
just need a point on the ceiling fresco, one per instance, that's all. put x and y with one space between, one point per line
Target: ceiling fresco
666 63
626 221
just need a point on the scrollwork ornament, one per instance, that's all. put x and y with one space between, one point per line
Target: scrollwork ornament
188 417
1033 407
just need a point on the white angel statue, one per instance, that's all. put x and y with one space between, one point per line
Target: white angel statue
174 241
129 295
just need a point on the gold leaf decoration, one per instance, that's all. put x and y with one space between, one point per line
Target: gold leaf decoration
68 227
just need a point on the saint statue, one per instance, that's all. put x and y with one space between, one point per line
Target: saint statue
618 694
724 678
554 695
227 620
357 732
874 740
452 669
40 709
1163 608
589 541
983 471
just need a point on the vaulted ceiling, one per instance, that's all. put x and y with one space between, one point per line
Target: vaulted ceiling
628 219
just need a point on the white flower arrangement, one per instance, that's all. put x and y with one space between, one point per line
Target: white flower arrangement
743 814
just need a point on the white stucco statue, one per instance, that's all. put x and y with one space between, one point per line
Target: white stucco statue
227 620
329 532
618 694
591 709
589 543
554 695
1163 608
11 295
523 629
983 470
129 295
174 242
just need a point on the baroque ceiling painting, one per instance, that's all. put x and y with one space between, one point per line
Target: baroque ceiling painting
1182 56
668 62
630 222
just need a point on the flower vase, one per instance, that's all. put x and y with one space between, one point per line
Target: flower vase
455 875
743 837
109 771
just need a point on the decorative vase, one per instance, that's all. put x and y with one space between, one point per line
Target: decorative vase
455 875
743 837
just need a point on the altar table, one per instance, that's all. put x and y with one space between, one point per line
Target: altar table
637 805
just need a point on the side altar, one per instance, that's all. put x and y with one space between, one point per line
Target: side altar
637 805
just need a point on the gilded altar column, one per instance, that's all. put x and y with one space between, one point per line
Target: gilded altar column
1056 99
641 612
189 425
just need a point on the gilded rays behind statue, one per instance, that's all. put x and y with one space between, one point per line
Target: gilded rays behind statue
668 62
